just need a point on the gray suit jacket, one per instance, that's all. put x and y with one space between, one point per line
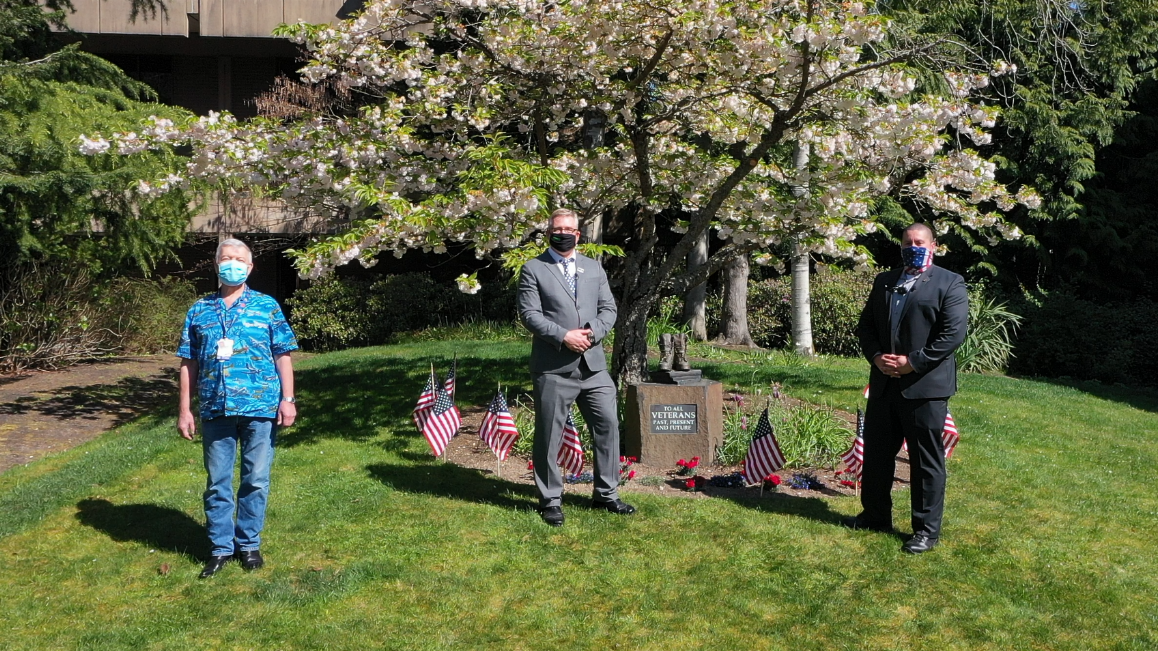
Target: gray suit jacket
549 311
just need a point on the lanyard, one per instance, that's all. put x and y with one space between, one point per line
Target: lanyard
222 311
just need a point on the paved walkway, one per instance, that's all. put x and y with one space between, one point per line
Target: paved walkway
46 412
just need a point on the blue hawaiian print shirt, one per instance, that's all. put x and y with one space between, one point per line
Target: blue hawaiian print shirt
246 384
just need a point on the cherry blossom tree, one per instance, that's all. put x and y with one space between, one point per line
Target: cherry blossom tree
480 116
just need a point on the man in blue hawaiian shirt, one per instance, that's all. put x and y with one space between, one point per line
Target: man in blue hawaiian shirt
235 350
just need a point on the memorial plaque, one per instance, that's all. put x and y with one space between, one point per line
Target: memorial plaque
674 419
668 422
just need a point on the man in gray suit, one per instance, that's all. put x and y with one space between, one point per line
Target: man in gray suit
566 303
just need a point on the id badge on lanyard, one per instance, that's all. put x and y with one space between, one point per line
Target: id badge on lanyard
225 344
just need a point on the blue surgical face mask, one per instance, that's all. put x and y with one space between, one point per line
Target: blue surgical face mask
917 257
232 272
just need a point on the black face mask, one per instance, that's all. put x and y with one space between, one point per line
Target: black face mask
562 242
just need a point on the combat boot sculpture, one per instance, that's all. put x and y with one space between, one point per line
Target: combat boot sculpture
666 350
680 362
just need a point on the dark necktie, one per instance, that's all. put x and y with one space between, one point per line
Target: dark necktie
570 276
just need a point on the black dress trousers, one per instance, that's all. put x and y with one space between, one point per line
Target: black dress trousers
890 420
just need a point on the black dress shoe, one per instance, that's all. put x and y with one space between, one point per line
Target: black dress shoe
618 507
214 565
853 522
919 544
552 515
250 560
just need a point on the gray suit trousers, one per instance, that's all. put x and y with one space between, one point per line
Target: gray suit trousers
596 395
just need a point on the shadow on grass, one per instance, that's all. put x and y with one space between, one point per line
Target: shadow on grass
124 399
1144 398
811 508
455 482
158 527
351 400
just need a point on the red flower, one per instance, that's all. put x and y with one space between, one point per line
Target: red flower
530 465
691 483
633 459
631 475
773 479
622 458
681 463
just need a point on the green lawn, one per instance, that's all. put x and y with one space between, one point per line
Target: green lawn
372 544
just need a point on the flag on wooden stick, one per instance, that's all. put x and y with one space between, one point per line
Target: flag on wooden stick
764 455
571 451
452 377
854 458
425 401
443 421
498 429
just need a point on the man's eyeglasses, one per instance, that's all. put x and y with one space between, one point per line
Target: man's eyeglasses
562 230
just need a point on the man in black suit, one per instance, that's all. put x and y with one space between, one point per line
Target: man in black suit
912 324
566 303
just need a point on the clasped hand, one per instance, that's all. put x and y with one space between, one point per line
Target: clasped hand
893 365
578 340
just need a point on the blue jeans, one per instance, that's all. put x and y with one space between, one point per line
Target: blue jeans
220 437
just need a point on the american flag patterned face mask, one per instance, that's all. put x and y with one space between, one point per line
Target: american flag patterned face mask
916 257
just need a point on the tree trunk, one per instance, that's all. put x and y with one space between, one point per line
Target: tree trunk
801 303
629 354
734 321
695 301
801 290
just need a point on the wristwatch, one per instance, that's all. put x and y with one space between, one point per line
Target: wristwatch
289 399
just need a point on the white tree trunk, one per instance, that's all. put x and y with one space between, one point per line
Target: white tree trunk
801 304
695 301
801 291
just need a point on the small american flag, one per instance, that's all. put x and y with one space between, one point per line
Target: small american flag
442 423
451 377
764 456
571 451
425 402
866 391
498 429
949 436
854 458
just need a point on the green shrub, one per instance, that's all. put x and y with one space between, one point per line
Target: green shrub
337 313
989 341
1066 336
49 319
838 296
147 315
52 317
331 314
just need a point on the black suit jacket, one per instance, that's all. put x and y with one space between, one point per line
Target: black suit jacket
932 326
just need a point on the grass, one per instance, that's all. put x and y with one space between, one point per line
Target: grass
371 544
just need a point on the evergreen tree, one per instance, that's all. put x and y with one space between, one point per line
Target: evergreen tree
1078 65
56 204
